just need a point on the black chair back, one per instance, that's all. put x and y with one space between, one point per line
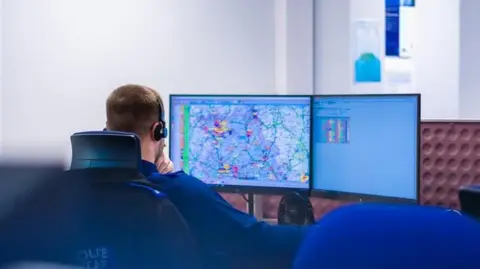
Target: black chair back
127 222
102 214
130 224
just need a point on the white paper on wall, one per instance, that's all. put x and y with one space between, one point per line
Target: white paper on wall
367 62
407 33
399 75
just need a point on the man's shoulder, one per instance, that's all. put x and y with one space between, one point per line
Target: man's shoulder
175 177
183 187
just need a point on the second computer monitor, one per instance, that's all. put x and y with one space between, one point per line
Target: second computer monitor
242 141
366 145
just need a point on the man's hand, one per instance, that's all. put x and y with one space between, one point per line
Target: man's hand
164 164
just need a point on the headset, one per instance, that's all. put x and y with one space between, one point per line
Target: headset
161 131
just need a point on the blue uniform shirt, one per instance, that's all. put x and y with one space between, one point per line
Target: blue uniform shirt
226 236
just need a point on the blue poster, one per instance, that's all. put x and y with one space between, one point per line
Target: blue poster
392 28
398 13
408 3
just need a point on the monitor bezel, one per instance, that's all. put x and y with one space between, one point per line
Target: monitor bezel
251 189
362 197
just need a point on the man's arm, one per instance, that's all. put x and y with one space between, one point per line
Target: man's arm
244 241
276 245
258 244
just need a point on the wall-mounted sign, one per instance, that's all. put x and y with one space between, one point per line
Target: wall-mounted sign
399 28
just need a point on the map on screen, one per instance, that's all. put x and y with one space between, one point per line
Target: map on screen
251 141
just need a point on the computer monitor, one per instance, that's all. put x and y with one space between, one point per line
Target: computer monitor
239 142
366 147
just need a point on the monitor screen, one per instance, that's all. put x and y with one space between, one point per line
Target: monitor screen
366 145
250 141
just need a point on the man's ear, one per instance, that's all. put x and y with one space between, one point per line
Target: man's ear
152 131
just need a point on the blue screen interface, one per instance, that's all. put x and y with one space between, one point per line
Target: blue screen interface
366 145
254 141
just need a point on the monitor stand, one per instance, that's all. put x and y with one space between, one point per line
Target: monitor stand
255 205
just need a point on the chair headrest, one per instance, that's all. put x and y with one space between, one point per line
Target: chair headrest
469 197
105 149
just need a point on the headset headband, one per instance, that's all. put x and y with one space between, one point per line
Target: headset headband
161 130
161 117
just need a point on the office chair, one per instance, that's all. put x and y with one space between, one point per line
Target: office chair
102 213
39 265
391 236
295 209
127 217
469 197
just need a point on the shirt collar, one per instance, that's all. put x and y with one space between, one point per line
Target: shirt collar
148 168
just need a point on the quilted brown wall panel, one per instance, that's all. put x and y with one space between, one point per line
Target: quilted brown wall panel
450 158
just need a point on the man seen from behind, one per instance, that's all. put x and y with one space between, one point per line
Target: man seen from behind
225 236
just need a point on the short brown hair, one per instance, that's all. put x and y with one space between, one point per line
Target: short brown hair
133 108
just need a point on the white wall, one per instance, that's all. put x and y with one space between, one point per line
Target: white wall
434 68
1 74
332 47
436 60
62 58
470 59
437 57
334 61
299 39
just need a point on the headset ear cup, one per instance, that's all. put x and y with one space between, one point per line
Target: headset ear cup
157 132
160 131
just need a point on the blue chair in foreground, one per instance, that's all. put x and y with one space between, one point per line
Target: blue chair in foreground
371 236
127 222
